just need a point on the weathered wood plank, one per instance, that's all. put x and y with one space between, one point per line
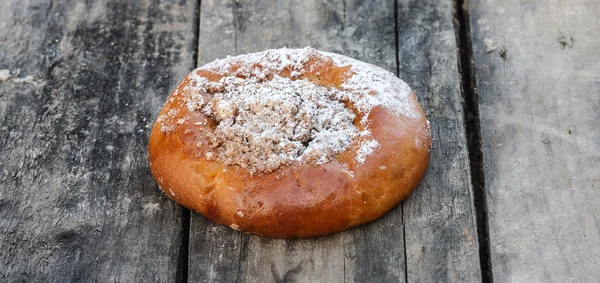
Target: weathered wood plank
77 201
441 217
360 29
537 67
440 227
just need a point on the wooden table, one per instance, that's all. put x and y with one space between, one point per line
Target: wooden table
512 90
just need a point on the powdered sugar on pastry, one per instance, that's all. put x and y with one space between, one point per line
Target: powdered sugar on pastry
372 86
265 120
263 124
366 148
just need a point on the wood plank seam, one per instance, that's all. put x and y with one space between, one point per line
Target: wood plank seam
242 241
182 261
397 54
473 131
397 39
197 33
184 250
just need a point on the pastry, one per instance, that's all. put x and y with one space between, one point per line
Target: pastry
290 143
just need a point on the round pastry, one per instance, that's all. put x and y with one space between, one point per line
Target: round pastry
290 143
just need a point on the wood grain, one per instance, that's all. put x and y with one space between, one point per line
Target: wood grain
440 228
86 79
441 240
539 91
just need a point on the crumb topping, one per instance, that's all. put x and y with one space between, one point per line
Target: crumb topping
264 121
263 124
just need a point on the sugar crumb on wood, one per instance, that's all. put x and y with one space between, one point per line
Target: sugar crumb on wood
5 75
490 45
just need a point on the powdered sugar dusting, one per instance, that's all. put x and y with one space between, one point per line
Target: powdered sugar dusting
372 86
166 121
261 64
366 148
265 120
264 124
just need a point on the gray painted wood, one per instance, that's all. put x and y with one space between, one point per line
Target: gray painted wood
77 201
538 78
440 226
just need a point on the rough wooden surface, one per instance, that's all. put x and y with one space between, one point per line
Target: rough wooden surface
77 201
82 81
440 232
440 228
538 79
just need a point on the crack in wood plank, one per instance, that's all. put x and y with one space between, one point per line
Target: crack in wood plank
473 131
539 114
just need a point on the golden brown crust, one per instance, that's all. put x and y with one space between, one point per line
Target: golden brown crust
293 201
